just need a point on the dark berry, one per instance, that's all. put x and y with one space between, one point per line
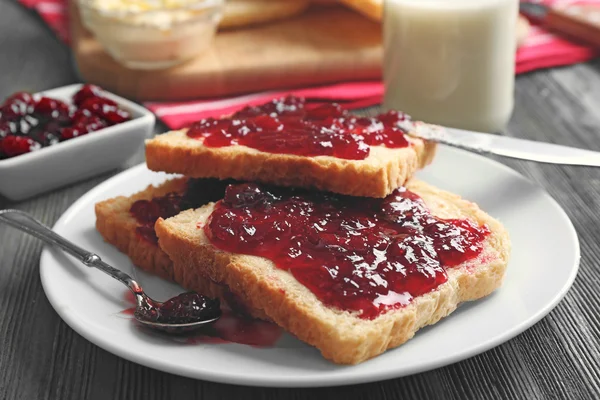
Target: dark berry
106 109
17 106
53 127
96 104
79 115
91 124
45 137
26 124
24 97
52 108
70 133
116 116
87 91
16 145
30 123
8 128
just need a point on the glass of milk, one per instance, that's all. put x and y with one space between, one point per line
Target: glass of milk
451 62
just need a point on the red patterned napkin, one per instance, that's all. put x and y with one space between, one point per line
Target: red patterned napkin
541 49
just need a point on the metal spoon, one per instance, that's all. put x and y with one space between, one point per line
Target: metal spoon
148 312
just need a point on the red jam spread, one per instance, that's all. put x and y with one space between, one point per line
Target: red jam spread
357 254
29 123
286 126
198 192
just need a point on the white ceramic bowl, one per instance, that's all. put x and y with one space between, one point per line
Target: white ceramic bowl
79 158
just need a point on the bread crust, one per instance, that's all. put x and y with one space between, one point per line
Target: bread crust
118 227
341 336
243 13
377 176
370 8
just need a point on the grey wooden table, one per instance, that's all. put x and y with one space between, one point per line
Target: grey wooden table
42 358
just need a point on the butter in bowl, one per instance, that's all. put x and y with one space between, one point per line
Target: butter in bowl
152 34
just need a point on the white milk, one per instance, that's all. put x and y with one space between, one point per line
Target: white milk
451 62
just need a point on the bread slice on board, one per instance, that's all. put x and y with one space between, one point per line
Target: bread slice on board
243 13
384 170
341 336
370 8
118 227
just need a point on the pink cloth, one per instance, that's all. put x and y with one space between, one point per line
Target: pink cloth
540 50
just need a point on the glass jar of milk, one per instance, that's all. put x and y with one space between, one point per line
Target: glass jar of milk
451 62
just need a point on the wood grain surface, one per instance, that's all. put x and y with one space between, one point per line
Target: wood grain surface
558 358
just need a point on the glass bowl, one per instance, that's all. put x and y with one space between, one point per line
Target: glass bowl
152 34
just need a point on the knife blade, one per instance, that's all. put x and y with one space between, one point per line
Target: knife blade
505 146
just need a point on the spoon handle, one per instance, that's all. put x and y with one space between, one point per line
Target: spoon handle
26 223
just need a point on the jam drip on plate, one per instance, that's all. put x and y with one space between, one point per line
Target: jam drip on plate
286 126
198 193
356 254
230 328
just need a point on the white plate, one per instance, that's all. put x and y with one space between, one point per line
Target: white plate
543 265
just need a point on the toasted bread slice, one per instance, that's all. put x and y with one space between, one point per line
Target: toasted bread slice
370 8
243 13
118 227
384 170
341 336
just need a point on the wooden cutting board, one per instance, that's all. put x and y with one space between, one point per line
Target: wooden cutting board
324 45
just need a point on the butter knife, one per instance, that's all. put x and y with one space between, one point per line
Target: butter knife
579 22
505 146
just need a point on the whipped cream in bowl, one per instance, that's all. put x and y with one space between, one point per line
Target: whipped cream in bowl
152 34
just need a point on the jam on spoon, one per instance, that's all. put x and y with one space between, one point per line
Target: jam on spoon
183 313
186 308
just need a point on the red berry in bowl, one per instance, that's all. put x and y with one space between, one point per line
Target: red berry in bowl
96 104
116 116
29 123
80 115
91 124
52 108
87 91
106 109
16 145
8 128
46 138
17 106
24 97
71 132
